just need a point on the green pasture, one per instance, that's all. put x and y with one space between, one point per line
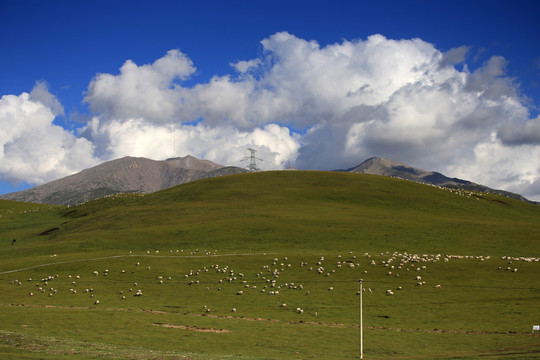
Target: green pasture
267 266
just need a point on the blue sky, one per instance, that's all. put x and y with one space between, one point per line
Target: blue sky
446 86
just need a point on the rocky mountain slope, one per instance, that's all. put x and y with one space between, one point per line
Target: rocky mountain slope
128 174
387 167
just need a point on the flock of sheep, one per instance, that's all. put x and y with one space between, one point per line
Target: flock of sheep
267 279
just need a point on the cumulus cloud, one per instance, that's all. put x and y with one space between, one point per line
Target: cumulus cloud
147 91
401 99
32 148
520 132
40 93
226 145
454 56
243 66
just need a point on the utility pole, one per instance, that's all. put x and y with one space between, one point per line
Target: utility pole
253 161
361 323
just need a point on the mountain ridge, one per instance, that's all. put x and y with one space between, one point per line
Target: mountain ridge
143 175
386 167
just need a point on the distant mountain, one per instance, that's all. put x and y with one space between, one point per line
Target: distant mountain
128 174
142 175
387 167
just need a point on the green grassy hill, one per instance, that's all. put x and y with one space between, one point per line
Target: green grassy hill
254 242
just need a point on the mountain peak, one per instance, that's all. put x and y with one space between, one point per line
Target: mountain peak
127 174
387 167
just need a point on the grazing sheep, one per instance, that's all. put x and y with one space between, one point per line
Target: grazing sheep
96 302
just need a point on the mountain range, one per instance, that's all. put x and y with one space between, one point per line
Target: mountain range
142 175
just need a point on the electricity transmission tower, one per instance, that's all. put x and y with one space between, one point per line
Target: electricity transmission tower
252 161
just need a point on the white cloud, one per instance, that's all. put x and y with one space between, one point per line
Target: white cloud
243 66
401 99
224 144
511 168
148 91
454 56
521 131
40 93
32 148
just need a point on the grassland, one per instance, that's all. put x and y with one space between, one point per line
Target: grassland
254 242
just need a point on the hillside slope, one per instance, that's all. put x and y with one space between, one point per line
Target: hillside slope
222 263
315 211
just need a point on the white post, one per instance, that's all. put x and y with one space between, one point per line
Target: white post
361 324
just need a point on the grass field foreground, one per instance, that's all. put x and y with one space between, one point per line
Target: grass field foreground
267 266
